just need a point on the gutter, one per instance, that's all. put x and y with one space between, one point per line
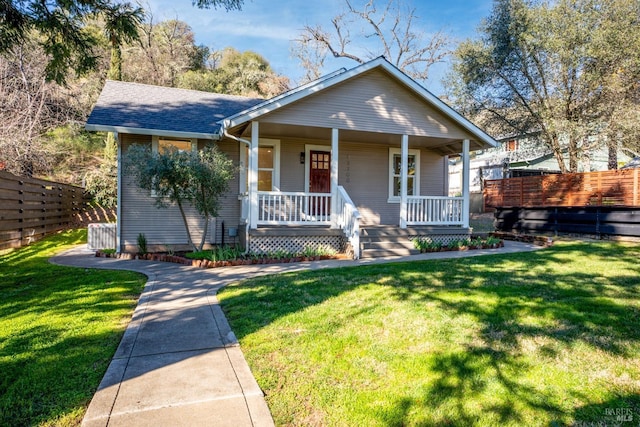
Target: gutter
235 138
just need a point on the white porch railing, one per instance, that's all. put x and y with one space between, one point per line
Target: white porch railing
348 219
434 210
293 208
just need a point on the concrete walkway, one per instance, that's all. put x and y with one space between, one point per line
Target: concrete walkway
179 363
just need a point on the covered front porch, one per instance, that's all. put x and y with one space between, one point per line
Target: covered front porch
362 147
322 206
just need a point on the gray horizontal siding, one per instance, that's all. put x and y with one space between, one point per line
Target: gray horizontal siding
229 213
371 102
164 226
364 173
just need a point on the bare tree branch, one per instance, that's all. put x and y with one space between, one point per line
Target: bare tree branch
394 32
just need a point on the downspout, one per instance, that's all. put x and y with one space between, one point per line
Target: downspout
248 144
228 135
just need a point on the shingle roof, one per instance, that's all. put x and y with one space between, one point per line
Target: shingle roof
131 106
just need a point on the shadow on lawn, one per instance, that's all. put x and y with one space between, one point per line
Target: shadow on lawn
570 308
48 368
575 308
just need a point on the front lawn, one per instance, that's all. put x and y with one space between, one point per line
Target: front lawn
544 338
59 329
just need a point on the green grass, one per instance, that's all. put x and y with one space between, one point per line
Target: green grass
59 329
545 338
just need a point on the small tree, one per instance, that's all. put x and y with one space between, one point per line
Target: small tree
183 177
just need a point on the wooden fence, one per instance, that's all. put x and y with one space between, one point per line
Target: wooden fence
608 188
597 221
32 208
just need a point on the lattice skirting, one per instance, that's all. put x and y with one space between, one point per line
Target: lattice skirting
294 244
444 239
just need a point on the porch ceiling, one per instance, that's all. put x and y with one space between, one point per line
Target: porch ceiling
443 146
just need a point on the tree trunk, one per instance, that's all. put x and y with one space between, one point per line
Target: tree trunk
573 154
612 146
557 153
204 233
186 226
115 65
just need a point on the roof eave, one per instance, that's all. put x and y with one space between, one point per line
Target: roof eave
273 104
278 102
147 131
442 106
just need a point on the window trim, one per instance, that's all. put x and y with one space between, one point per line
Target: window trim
155 147
244 165
275 178
155 142
308 148
416 175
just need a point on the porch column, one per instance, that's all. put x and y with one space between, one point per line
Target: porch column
119 192
334 178
404 153
465 183
253 176
243 187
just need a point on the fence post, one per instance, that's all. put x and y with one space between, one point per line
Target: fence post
635 186
23 211
521 192
599 188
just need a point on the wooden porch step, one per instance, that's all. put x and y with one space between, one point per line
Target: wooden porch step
383 241
388 248
391 231
377 242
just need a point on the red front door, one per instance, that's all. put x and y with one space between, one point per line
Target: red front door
320 172
320 181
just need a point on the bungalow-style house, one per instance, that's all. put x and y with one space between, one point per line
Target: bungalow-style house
354 154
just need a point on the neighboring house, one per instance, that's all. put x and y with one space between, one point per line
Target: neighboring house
521 155
321 164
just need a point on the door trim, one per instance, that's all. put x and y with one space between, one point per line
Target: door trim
307 162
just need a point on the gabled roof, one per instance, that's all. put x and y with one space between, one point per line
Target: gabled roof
297 94
151 110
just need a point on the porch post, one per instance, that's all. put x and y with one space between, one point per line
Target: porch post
334 178
243 187
404 152
119 192
465 183
253 176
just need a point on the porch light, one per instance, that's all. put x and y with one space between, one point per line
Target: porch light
302 157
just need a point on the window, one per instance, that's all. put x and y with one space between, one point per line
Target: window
320 161
162 144
413 173
512 145
266 157
268 166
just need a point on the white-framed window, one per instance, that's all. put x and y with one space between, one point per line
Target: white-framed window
159 144
413 173
268 165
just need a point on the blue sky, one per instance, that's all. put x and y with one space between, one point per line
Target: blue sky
268 26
